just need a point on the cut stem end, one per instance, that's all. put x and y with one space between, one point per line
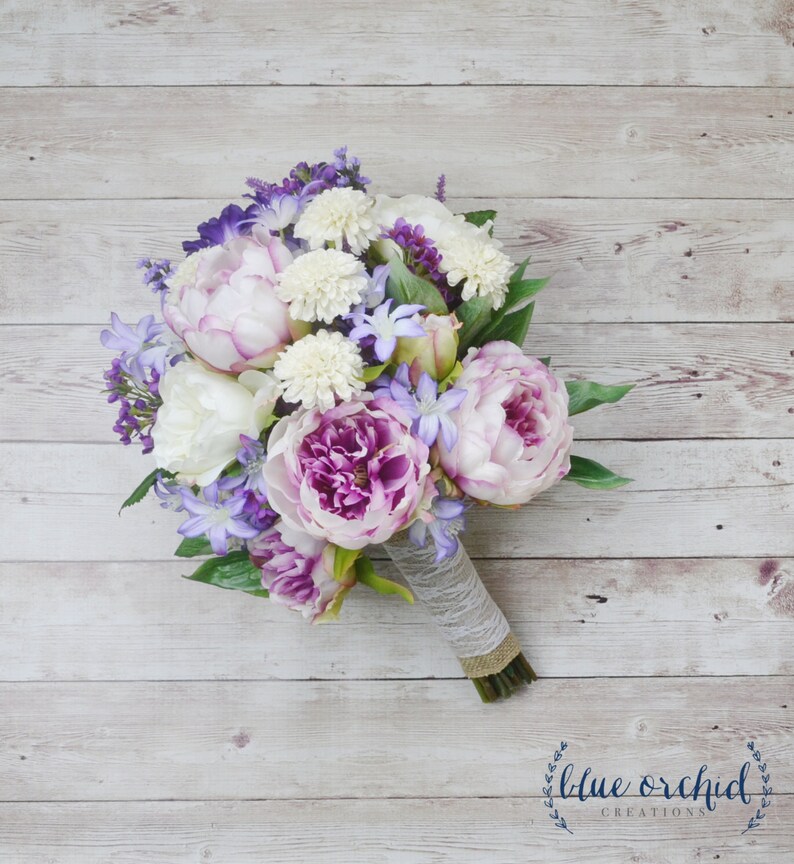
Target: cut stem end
517 674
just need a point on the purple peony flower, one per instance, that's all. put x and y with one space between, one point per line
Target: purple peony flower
443 521
297 570
429 411
219 518
352 475
233 222
385 326
514 437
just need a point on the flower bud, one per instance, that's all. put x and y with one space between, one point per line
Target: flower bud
436 353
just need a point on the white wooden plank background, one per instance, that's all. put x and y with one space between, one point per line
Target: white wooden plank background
642 151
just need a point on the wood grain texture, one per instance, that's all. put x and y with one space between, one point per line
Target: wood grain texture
541 141
571 42
708 498
331 739
611 261
575 618
692 380
408 831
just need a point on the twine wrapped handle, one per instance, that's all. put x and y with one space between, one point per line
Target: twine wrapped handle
467 616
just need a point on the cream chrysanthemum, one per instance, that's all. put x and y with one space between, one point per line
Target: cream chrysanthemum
321 285
338 215
187 272
320 367
481 263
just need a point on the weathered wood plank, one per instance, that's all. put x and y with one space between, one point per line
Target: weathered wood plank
238 740
612 261
693 380
403 831
690 499
572 42
547 141
104 621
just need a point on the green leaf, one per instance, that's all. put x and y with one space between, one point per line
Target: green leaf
480 217
546 361
519 292
372 372
365 573
584 395
512 328
190 547
234 571
343 561
141 490
474 315
591 475
406 287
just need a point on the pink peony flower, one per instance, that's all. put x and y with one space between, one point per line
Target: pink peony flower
352 475
297 570
222 303
513 432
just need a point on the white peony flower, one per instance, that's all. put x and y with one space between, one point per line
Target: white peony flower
320 367
321 285
481 263
335 216
198 426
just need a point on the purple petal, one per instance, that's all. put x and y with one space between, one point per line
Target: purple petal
448 508
417 533
451 399
384 348
427 388
427 428
407 327
406 310
194 527
449 431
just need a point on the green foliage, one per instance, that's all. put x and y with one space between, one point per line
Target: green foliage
584 395
372 372
190 547
234 571
480 217
591 475
366 575
142 489
343 561
406 287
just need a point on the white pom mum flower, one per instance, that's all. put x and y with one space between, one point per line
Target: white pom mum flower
481 263
318 368
338 215
321 285
187 272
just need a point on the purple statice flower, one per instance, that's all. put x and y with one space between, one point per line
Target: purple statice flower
233 222
348 169
138 400
386 326
445 523
421 256
218 517
155 272
140 346
428 410
441 188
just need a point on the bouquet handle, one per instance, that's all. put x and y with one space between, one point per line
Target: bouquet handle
467 616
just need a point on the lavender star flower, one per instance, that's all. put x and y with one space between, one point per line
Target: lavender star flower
278 212
386 326
168 493
218 518
251 456
428 410
444 526
139 346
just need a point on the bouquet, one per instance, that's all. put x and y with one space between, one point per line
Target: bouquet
333 371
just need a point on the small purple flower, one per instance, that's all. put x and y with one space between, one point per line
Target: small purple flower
138 401
167 490
277 212
441 188
218 518
156 271
251 456
386 327
139 346
232 222
421 256
445 524
428 410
